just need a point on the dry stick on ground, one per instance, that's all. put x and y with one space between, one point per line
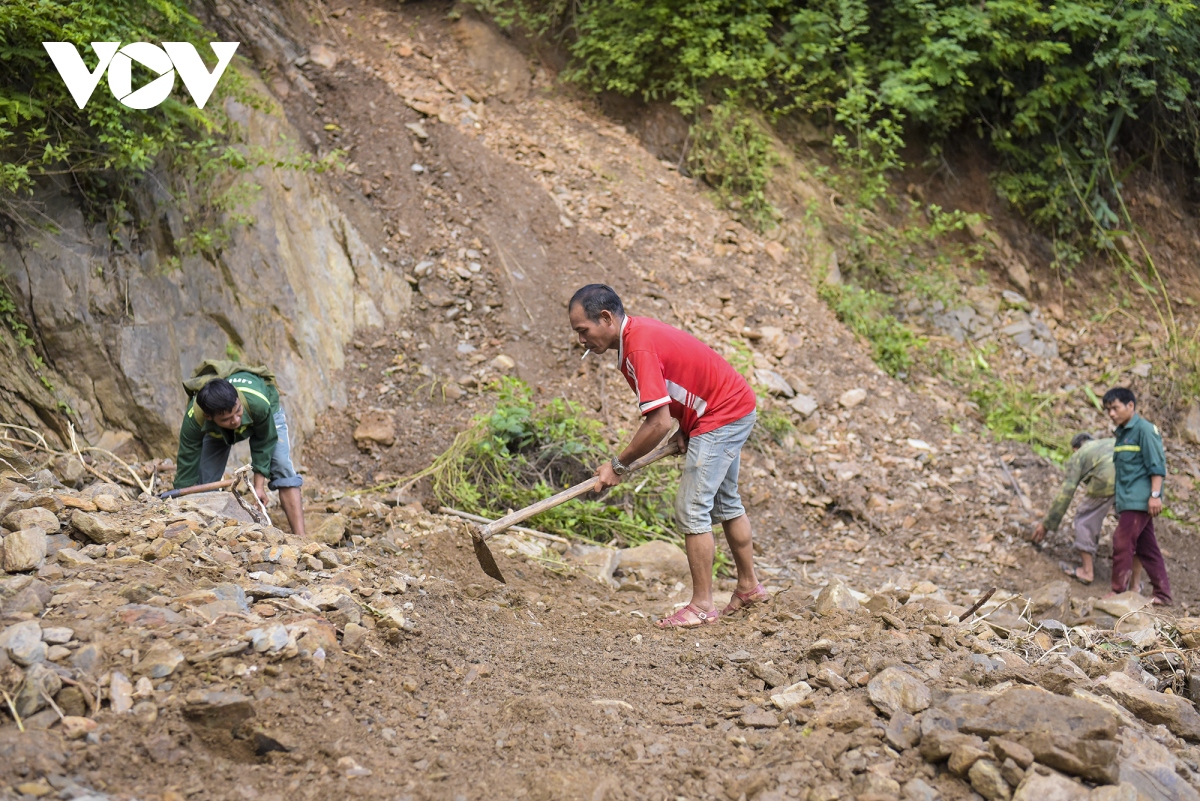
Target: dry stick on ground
13 709
42 446
1025 504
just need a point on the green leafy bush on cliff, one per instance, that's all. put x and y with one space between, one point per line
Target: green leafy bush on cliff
43 132
1056 89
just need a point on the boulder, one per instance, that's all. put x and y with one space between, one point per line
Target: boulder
895 690
657 558
1176 713
1021 711
24 550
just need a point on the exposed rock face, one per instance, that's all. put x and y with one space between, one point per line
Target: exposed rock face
122 326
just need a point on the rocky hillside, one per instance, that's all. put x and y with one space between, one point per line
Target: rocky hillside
180 650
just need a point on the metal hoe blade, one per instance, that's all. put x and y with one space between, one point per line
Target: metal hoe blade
486 560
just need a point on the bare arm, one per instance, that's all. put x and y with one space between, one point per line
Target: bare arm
654 427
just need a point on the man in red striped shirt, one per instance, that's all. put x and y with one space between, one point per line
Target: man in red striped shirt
675 375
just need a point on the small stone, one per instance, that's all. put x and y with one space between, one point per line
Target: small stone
918 790
87 659
760 720
354 636
376 427
218 710
323 56
852 397
23 643
773 382
145 712
1052 787
963 757
503 363
57 653
826 677
804 405
70 557
903 731
37 789
351 769
894 690
74 727
25 549
771 676
330 531
160 661
1013 773
40 683
835 596
120 693
97 528
986 780
791 696
33 517
71 701
57 635
270 640
1007 749
1120 605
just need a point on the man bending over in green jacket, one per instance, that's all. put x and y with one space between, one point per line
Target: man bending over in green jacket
226 411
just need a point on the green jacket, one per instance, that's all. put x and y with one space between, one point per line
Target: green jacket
1138 455
1092 466
260 402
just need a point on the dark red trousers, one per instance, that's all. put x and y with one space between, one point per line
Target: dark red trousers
1135 537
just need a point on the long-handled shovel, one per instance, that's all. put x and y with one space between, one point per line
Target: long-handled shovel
484 532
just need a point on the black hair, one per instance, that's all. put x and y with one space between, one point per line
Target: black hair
1079 439
1119 394
595 298
216 397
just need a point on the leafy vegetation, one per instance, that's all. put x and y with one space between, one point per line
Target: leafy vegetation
521 453
1059 91
103 151
734 155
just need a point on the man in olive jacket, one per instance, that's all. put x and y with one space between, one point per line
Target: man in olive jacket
1092 466
225 411
1140 466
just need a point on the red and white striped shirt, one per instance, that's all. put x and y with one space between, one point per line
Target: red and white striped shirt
664 365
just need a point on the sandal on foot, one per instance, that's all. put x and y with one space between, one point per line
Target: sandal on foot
679 620
757 595
1073 572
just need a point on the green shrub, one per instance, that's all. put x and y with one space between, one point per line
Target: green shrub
733 154
1054 88
521 453
103 151
868 314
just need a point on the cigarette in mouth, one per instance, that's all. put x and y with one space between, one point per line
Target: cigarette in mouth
585 354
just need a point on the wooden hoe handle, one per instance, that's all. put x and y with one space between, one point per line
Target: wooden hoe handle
521 515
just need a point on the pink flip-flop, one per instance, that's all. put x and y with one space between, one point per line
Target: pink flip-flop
680 621
757 595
